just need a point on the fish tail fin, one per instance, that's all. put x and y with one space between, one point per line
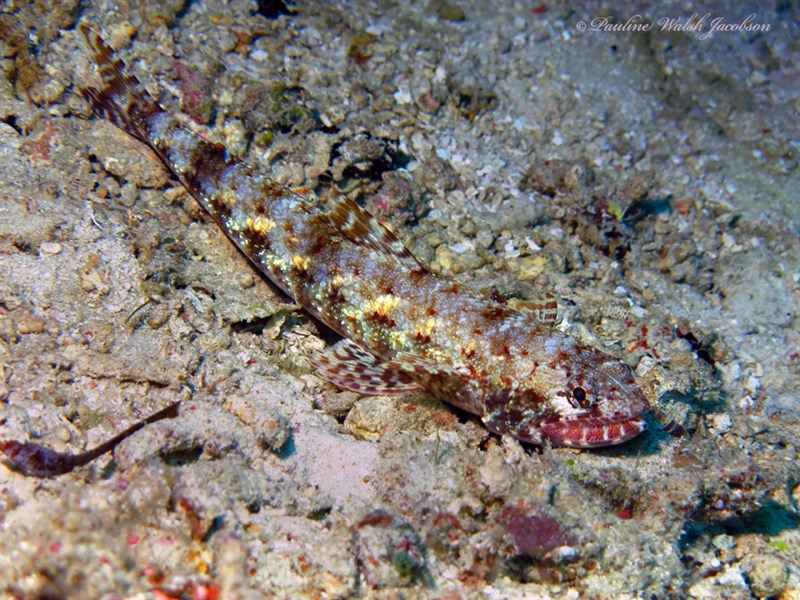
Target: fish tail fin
123 100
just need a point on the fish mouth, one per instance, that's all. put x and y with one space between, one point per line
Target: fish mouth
592 432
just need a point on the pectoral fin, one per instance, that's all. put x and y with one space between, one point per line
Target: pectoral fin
350 367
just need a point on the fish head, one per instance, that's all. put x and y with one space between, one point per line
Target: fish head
581 398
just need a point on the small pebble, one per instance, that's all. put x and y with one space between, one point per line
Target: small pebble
451 12
246 280
768 577
720 423
120 35
532 267
29 324
49 248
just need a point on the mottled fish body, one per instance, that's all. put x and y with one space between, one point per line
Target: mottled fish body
404 328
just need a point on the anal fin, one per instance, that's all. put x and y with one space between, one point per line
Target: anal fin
348 366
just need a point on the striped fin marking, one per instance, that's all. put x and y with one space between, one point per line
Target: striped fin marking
124 100
348 366
542 308
439 379
360 227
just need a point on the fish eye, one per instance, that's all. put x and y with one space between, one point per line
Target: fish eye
581 397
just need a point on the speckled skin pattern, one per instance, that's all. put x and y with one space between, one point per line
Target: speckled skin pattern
405 329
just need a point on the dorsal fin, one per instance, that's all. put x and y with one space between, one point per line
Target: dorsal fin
360 227
542 308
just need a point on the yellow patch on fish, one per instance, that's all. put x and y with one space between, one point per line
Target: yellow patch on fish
261 224
428 326
383 304
301 262
229 197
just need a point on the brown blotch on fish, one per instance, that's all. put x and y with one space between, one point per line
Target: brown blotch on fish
259 242
494 313
381 318
206 163
417 275
334 296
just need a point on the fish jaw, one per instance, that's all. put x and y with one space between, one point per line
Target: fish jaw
591 432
